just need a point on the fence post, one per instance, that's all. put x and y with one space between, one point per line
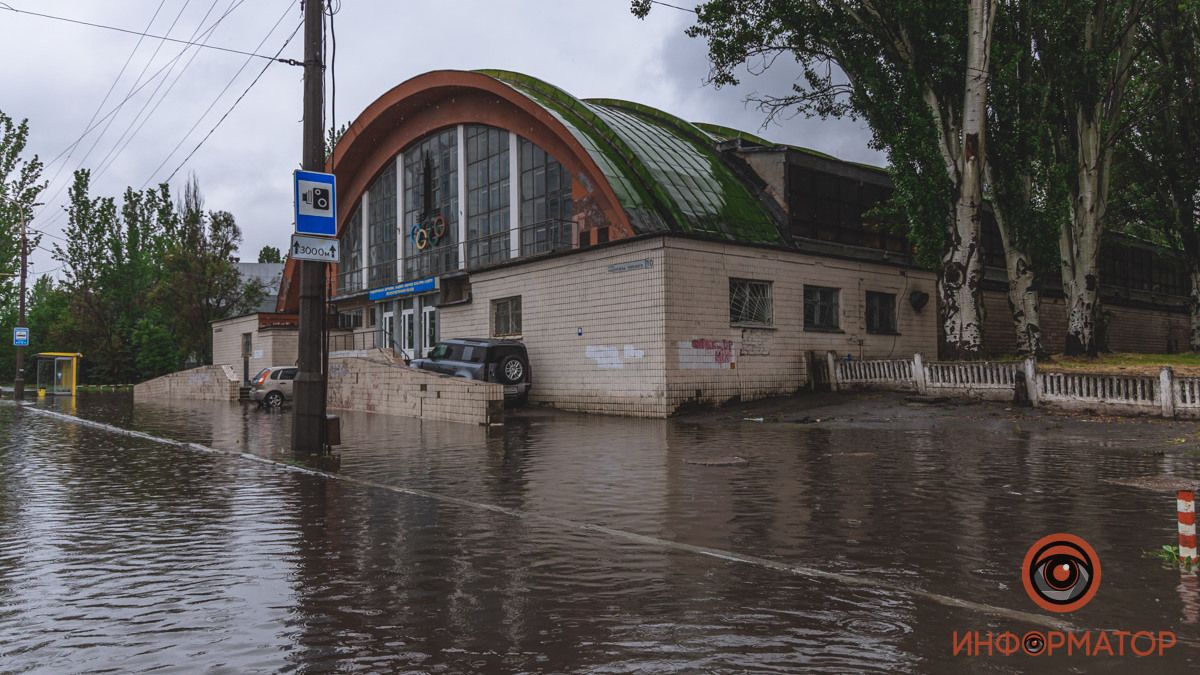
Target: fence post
919 374
1031 383
831 359
1166 391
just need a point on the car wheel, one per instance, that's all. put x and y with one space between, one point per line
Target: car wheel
273 399
513 370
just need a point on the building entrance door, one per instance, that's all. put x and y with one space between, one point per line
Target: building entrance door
429 329
389 330
407 333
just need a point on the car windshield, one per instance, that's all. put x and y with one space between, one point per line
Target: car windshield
440 351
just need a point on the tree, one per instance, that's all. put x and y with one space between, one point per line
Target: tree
111 262
201 283
1087 50
918 73
1023 182
270 254
20 185
1158 161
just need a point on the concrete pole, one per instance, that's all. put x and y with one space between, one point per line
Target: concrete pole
19 380
308 419
1166 391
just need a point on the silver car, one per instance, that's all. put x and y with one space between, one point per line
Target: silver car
272 386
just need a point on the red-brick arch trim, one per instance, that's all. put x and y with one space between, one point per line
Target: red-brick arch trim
446 98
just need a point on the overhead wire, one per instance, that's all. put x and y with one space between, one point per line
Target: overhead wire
132 91
10 8
111 88
235 103
126 137
217 98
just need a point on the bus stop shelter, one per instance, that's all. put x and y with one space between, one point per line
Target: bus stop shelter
57 373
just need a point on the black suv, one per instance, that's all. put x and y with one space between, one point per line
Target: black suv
502 361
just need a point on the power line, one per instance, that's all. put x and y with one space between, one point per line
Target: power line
217 98
111 87
235 103
126 137
133 89
290 62
667 4
149 62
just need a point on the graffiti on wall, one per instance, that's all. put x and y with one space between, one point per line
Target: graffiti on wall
611 357
707 354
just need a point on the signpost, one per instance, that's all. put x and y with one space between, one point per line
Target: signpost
20 337
320 249
316 203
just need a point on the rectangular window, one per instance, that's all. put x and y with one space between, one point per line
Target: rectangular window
750 302
430 225
881 313
506 317
350 270
545 202
381 232
487 195
821 308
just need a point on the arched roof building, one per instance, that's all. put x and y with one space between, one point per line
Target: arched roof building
644 260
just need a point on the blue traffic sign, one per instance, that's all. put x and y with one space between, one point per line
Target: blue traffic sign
316 203
20 337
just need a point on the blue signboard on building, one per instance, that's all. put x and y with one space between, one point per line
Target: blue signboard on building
405 289
20 337
316 203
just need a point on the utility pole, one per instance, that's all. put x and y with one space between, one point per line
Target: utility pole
19 381
308 421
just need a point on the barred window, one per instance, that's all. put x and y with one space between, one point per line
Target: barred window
506 317
881 312
750 302
821 308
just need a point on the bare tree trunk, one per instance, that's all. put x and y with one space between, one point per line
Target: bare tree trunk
960 284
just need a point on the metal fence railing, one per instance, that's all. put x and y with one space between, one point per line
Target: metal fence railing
359 341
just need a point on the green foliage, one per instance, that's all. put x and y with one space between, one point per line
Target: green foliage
270 254
142 280
1157 173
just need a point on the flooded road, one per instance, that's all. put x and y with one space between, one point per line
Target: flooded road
837 535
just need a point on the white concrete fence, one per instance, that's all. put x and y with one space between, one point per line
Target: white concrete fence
1165 395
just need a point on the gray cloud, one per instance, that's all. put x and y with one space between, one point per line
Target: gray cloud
59 73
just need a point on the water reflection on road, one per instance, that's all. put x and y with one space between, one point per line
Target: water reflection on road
127 554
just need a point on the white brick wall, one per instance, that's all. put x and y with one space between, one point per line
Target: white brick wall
617 364
278 345
770 361
654 337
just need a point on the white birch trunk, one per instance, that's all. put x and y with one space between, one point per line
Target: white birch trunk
1079 241
960 283
1194 308
1024 300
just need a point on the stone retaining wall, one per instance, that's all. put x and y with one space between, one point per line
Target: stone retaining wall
206 383
376 383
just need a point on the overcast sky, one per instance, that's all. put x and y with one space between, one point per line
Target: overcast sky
170 96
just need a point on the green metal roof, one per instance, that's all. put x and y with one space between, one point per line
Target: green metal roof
666 172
